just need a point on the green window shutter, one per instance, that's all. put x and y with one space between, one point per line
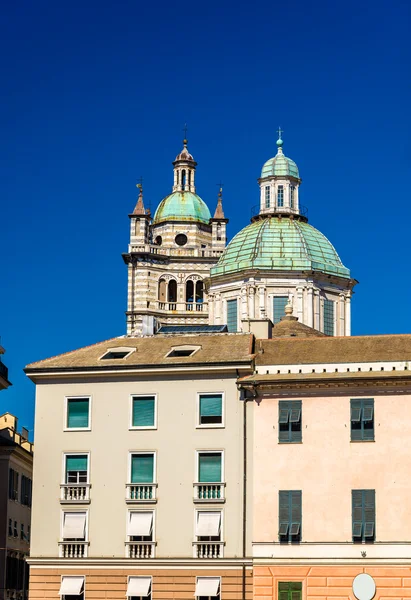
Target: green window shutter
142 468
282 590
369 514
76 463
368 419
143 411
356 429
279 304
290 590
295 501
283 514
357 514
295 421
209 467
283 421
78 413
211 406
232 316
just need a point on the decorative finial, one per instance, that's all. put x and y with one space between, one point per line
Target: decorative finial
288 308
279 141
185 129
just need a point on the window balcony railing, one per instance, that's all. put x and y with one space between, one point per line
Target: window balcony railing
73 549
209 492
208 549
141 492
140 549
75 493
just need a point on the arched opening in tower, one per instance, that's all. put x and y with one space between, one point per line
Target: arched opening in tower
199 292
172 290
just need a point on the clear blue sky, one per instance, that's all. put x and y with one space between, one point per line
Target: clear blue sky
95 94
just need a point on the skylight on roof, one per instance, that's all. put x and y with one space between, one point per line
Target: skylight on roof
182 351
117 353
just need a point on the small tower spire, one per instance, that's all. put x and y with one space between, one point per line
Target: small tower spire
139 209
219 212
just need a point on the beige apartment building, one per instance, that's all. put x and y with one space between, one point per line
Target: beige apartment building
140 448
331 464
16 465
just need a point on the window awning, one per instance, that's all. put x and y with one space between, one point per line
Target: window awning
138 586
208 523
140 523
74 526
207 586
71 586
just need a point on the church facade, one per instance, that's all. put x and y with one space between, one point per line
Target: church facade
180 271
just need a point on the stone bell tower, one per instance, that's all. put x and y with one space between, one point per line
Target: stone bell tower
170 255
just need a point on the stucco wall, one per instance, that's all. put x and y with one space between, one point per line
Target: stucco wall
326 466
175 440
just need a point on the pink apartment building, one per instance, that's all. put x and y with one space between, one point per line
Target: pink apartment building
331 464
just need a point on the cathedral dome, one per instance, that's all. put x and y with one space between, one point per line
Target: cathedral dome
182 206
280 244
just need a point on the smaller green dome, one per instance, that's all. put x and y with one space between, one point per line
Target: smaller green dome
182 206
280 166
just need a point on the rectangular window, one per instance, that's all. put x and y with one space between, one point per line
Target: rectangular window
362 420
74 526
143 412
10 527
289 421
279 303
78 413
140 526
289 516
280 196
15 532
209 467
328 317
11 484
208 588
290 590
232 319
76 468
25 490
210 409
363 515
22 534
139 588
208 526
142 468
292 188
267 196
71 587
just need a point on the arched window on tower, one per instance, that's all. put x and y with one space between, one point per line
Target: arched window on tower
162 292
199 295
183 179
280 196
189 178
218 232
189 294
137 227
172 292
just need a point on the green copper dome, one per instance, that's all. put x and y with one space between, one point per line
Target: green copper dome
280 166
280 245
182 206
